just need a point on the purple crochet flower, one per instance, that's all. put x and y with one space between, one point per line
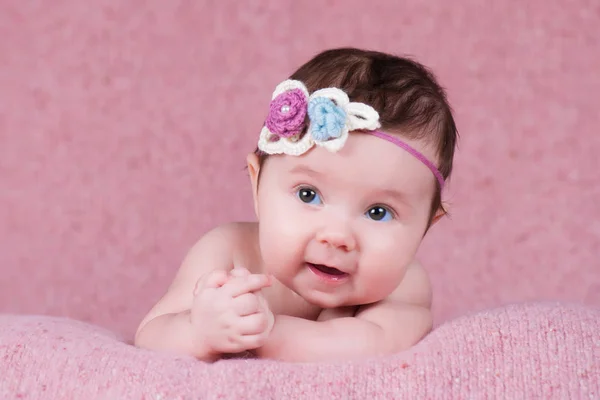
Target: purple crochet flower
287 113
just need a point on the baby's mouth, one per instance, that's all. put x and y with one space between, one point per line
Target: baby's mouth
326 272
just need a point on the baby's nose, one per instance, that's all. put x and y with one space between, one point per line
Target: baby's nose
338 237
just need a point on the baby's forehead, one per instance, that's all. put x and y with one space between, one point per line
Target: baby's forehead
364 160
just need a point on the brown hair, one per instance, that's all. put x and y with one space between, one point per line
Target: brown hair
405 94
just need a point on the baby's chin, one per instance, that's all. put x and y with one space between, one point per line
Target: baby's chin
327 300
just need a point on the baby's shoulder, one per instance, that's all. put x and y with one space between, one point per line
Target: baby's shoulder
231 235
415 287
239 240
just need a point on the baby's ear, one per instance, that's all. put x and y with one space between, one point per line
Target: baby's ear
253 163
439 213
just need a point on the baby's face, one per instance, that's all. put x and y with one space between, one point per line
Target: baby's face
341 228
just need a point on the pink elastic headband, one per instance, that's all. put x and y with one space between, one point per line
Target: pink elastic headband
413 151
331 116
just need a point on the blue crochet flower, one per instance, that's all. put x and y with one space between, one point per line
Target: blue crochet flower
326 118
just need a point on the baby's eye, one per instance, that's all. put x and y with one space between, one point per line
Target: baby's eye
379 213
308 196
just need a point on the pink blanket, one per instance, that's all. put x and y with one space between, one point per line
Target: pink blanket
532 351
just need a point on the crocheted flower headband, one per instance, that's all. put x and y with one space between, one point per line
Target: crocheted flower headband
331 116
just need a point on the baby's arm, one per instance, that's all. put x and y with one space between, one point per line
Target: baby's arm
387 327
168 324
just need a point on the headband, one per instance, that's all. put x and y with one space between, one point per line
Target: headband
331 116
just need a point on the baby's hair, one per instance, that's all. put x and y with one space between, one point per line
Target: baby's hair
407 96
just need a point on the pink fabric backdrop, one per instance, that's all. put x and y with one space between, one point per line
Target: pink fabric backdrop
124 127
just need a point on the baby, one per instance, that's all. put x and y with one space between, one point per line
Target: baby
347 179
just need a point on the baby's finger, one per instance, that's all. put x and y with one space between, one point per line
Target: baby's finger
246 304
253 324
251 342
263 304
239 272
238 286
213 280
217 279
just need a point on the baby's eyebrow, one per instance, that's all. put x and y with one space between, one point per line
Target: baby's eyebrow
304 169
396 195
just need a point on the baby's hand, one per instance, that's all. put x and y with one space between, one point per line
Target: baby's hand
229 314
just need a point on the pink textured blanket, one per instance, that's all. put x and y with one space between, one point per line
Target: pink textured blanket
533 351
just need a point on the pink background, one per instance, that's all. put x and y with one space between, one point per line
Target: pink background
124 127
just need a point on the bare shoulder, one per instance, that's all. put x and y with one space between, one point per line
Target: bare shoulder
405 315
216 249
413 295
415 288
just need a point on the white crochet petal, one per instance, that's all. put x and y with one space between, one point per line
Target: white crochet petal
338 96
288 85
361 116
283 145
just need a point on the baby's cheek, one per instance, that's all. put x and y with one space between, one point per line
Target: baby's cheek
275 252
383 280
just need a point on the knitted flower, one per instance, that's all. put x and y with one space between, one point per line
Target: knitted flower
327 120
282 131
331 116
287 113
